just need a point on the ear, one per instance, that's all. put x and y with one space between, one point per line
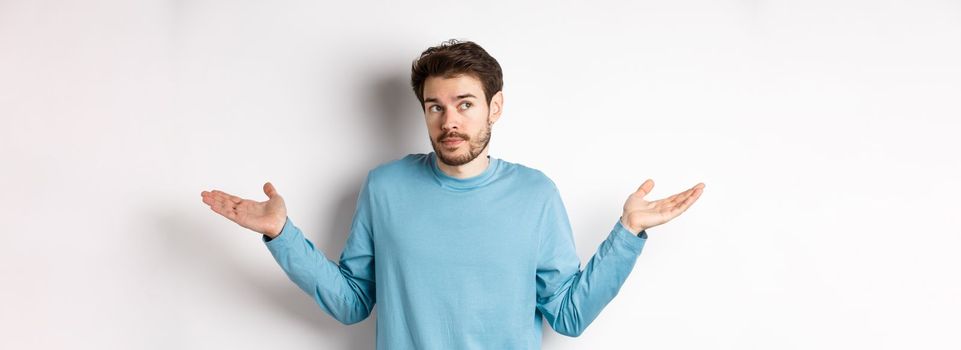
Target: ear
496 107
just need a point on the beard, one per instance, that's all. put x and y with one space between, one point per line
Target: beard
475 145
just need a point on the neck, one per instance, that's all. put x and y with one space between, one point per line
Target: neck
471 169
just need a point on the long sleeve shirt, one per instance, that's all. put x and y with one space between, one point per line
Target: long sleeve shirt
451 263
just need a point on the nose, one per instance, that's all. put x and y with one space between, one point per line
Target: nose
450 120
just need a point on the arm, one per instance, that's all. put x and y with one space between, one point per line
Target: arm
571 298
346 291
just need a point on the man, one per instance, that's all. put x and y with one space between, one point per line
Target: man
458 249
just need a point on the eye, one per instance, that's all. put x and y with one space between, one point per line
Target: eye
466 104
434 108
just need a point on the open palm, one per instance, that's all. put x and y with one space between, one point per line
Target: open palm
267 217
641 214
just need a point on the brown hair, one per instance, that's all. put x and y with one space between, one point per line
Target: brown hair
452 58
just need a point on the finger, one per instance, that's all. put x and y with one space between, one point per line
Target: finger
671 207
219 209
227 196
269 190
645 188
215 195
692 194
687 195
227 209
206 197
214 199
680 197
220 203
689 200
677 198
673 199
234 199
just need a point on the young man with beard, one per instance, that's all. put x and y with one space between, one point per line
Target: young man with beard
458 249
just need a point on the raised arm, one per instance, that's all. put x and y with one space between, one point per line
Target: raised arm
571 298
346 291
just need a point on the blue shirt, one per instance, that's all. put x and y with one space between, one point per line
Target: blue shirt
473 263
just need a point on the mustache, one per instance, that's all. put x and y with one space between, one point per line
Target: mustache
453 135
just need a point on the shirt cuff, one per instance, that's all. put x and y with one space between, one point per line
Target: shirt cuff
634 242
285 235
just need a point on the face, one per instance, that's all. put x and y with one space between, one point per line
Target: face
458 118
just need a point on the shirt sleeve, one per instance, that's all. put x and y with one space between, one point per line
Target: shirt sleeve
568 297
346 291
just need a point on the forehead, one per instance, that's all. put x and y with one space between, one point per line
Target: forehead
448 88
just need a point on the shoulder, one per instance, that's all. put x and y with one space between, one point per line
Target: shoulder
406 163
397 169
528 177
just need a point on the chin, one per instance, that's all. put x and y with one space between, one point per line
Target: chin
454 154
454 158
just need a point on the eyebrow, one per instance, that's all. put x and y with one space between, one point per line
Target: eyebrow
459 97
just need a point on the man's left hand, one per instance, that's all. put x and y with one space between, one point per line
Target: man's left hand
641 214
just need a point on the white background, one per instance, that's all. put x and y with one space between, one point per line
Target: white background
826 132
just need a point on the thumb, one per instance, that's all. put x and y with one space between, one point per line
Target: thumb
645 188
269 190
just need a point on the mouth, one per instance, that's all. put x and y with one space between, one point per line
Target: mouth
451 142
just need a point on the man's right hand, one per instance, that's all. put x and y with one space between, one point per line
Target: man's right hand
267 218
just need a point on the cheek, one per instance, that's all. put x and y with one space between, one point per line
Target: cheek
431 122
434 127
478 115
